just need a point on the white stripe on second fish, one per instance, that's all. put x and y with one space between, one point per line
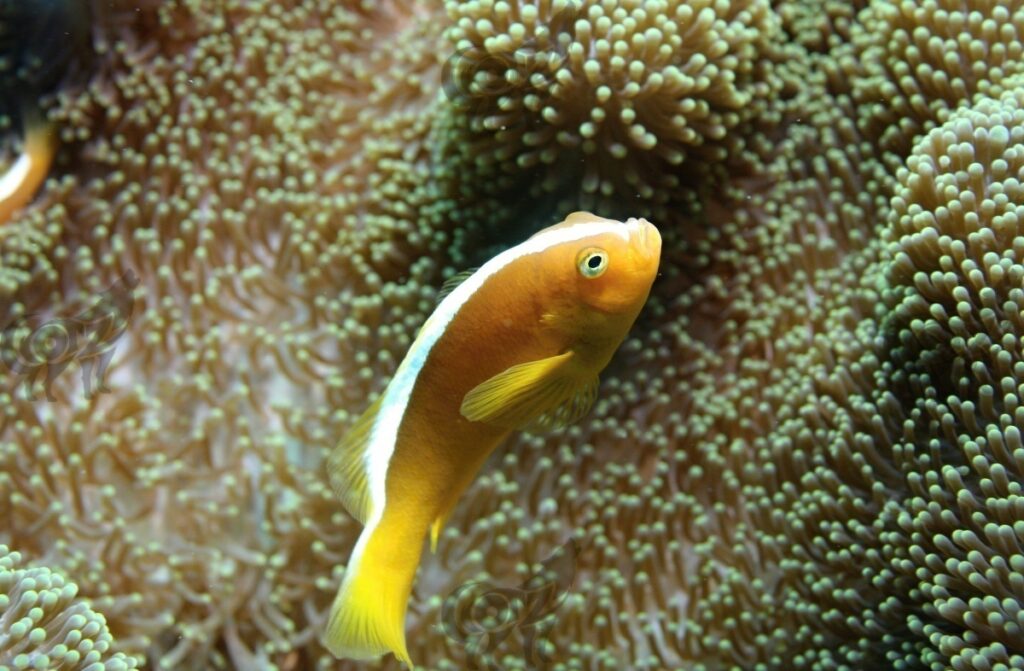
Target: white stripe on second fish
15 176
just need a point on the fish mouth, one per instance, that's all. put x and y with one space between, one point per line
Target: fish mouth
646 237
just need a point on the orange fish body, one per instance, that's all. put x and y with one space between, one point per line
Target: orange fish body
18 185
518 344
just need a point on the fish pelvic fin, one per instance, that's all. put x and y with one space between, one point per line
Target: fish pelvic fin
367 618
435 531
533 396
347 465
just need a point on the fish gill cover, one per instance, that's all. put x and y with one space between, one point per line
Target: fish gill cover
808 455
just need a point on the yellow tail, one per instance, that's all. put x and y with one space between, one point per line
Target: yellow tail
368 616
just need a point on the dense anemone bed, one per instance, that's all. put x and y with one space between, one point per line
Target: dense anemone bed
808 455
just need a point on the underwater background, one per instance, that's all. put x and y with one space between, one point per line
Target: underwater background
808 454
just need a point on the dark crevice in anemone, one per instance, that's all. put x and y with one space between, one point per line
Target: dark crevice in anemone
42 42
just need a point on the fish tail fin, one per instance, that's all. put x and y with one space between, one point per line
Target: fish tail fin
367 618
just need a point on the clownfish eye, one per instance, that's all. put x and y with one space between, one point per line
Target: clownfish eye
592 262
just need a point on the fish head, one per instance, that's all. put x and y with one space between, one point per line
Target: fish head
604 278
614 270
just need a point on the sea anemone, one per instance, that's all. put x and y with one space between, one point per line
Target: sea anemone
43 625
919 60
954 267
611 100
253 195
806 457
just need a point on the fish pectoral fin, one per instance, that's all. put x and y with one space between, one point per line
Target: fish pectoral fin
569 411
346 465
536 395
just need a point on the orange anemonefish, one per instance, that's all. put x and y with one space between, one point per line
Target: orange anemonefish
21 181
517 344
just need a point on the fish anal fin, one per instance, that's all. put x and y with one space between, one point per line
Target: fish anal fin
536 395
347 465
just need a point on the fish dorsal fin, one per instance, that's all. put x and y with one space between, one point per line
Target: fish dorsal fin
452 282
577 218
347 465
533 396
584 217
